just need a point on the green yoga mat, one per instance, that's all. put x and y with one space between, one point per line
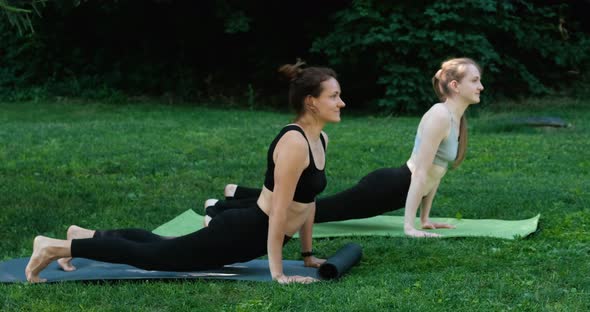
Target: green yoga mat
189 221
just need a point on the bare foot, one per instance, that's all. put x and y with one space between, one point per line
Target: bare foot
230 190
45 250
209 202
74 232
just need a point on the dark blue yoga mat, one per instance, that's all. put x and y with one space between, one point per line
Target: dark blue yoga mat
13 271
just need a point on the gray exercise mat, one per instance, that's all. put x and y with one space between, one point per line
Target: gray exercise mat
13 271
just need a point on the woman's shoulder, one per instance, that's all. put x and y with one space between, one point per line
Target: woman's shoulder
438 108
292 149
294 135
438 113
437 118
291 129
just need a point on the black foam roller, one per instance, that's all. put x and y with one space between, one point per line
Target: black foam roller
338 264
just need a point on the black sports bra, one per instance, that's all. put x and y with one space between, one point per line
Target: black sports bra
312 180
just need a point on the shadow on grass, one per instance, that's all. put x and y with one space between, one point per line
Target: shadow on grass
522 124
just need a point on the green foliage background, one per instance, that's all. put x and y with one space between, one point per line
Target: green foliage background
518 43
227 51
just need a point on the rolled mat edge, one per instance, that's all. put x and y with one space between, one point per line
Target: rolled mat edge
341 262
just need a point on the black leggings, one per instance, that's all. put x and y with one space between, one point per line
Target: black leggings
235 235
378 192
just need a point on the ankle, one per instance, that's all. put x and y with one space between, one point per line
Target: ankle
230 190
210 202
57 248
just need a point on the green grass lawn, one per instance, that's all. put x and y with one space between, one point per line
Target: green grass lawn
108 166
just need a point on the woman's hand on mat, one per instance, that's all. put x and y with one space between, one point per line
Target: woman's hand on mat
418 233
313 262
433 225
284 279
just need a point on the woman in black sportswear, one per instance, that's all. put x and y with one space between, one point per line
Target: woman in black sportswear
286 204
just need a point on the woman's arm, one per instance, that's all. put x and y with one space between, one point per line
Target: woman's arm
291 157
427 204
435 125
305 235
425 212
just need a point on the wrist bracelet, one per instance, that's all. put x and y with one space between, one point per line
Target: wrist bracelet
307 254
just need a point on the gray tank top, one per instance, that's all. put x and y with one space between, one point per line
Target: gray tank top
447 149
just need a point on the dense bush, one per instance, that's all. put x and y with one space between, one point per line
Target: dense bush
523 47
179 49
228 51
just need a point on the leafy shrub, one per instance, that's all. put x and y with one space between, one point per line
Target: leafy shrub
384 51
523 47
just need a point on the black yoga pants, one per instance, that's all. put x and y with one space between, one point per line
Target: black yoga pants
236 235
378 192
